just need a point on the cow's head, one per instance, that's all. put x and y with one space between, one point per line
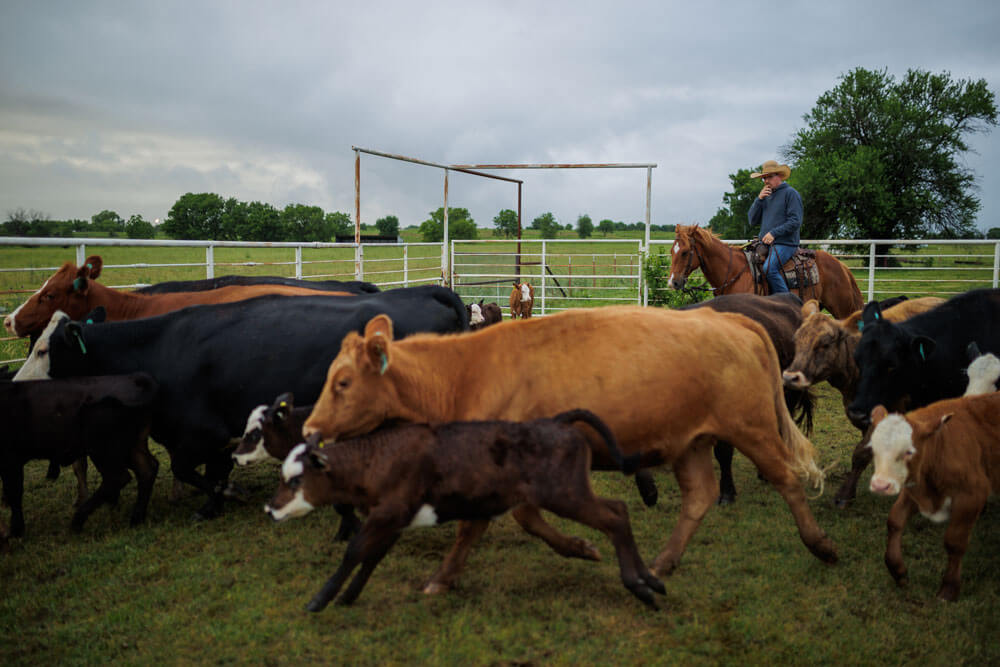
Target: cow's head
303 486
269 432
822 349
61 349
891 362
475 311
359 391
67 291
892 448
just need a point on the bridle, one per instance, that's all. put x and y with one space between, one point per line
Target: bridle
701 262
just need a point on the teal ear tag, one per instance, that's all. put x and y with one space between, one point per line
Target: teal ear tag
922 355
77 284
83 348
385 364
877 316
861 325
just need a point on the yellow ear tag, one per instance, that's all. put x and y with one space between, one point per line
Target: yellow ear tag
321 444
283 405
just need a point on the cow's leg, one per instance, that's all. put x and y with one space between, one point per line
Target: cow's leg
368 547
145 466
183 466
773 465
349 523
114 477
724 455
699 490
80 471
901 511
571 547
611 518
964 512
860 459
467 535
52 473
13 492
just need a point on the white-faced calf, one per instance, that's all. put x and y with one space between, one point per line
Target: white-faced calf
944 461
418 474
272 431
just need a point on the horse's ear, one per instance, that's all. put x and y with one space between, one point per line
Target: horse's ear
810 307
872 313
677 229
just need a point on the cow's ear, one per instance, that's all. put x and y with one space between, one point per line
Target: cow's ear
94 264
380 324
377 349
923 347
316 456
945 419
82 281
972 352
286 400
96 316
810 307
73 335
872 313
878 414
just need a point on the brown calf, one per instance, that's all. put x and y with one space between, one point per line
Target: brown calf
824 350
522 299
944 461
668 383
419 475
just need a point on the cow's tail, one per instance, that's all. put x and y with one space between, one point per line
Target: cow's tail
627 464
801 453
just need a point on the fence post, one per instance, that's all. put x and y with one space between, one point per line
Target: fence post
406 266
359 262
81 254
996 263
543 277
871 272
298 262
210 262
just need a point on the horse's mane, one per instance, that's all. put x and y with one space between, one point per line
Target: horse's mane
704 234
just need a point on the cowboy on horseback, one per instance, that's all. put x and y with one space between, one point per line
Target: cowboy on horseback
778 211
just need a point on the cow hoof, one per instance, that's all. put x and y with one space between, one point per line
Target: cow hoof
236 492
948 593
841 503
434 588
316 605
725 499
585 550
825 550
654 583
663 567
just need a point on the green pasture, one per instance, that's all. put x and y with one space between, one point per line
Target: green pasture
233 590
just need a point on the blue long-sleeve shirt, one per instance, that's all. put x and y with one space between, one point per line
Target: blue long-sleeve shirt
780 214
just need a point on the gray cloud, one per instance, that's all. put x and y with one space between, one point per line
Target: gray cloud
129 105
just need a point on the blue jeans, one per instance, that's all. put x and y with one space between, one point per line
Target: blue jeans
778 255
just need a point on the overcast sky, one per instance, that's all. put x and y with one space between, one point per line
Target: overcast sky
128 105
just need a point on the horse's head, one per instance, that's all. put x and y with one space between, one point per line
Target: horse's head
684 255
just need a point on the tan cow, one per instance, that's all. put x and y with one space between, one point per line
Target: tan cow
75 291
944 461
668 383
824 350
522 299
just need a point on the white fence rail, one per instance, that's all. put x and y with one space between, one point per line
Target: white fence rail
565 273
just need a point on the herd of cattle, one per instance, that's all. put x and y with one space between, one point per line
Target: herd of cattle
393 421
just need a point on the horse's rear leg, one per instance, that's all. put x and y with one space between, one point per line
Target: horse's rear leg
696 479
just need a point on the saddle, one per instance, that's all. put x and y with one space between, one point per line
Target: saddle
800 271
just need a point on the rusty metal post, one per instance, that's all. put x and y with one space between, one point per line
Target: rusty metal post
517 258
357 196
445 268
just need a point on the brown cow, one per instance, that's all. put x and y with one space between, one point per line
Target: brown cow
522 299
824 350
425 474
944 461
668 383
75 291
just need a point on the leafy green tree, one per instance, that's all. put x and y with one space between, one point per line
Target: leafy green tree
195 216
107 221
306 223
460 225
731 221
881 158
340 223
388 226
234 220
262 222
606 226
584 226
993 233
138 228
506 223
547 225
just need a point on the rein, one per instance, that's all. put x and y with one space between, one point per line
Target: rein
701 262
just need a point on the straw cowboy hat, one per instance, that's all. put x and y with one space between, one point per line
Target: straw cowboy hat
772 167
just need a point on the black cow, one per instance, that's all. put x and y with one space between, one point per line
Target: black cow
352 286
215 363
105 418
923 359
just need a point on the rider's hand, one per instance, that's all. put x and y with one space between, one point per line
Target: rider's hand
765 192
768 238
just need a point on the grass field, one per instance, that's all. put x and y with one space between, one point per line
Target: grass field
233 590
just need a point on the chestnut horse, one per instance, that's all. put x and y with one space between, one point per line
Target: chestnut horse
726 269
